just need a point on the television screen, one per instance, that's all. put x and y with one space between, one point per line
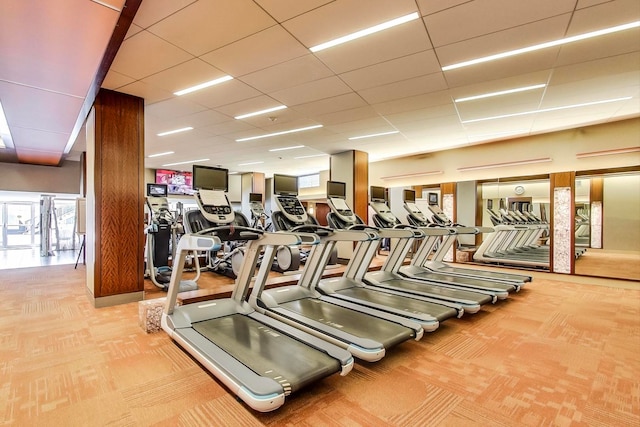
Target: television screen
377 194
177 182
433 199
409 196
210 178
255 197
285 185
157 190
336 189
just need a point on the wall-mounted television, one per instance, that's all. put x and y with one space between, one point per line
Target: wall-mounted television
255 197
409 196
177 182
157 190
285 185
336 189
210 178
377 194
432 199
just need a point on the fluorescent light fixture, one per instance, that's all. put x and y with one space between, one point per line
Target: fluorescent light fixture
545 110
366 32
107 5
171 132
293 147
284 132
257 113
373 135
188 161
543 45
203 85
608 152
249 163
502 92
310 156
5 133
502 165
411 175
166 153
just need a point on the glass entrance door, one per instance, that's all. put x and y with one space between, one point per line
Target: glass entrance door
20 224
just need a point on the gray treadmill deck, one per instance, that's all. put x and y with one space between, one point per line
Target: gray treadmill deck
407 304
484 274
268 352
348 321
464 282
422 288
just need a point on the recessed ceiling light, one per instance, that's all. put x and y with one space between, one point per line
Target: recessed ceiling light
365 32
293 147
184 163
249 163
502 92
171 132
257 113
166 153
545 110
543 45
373 135
310 156
251 138
203 85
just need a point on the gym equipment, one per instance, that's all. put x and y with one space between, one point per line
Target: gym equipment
364 331
351 287
260 359
161 236
436 264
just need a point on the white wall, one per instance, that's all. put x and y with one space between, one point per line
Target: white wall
621 208
41 179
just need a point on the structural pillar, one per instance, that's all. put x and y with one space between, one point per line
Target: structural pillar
562 253
596 198
115 199
448 196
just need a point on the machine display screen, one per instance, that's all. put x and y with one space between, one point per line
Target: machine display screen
336 189
377 194
409 196
285 185
210 178
255 197
433 199
157 190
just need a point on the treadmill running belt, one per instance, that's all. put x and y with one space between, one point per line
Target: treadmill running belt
353 322
406 304
268 352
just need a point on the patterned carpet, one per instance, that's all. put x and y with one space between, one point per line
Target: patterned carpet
557 354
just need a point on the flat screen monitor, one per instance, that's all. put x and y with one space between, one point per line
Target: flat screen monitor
285 185
177 182
157 190
210 178
409 196
336 189
377 194
255 197
433 199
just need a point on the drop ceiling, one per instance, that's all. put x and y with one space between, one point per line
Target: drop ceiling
391 81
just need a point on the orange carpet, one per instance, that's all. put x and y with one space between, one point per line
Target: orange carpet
557 354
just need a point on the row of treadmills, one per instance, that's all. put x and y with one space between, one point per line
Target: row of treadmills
265 344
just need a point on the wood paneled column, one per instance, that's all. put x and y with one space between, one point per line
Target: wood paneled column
596 214
115 199
448 205
563 239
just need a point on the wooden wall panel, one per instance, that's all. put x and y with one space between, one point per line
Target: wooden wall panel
361 184
596 189
119 194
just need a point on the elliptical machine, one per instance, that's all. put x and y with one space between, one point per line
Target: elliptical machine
161 239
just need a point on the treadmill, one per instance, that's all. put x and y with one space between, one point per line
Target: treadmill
364 331
258 358
388 277
385 218
351 287
417 217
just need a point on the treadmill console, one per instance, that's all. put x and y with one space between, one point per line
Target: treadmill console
438 215
415 212
385 213
292 208
257 210
215 206
341 209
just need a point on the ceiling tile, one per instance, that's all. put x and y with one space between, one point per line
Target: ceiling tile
406 88
475 18
151 12
283 10
288 74
114 80
427 7
334 104
209 24
312 91
34 139
150 94
145 54
174 107
396 42
184 75
225 93
403 68
256 52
